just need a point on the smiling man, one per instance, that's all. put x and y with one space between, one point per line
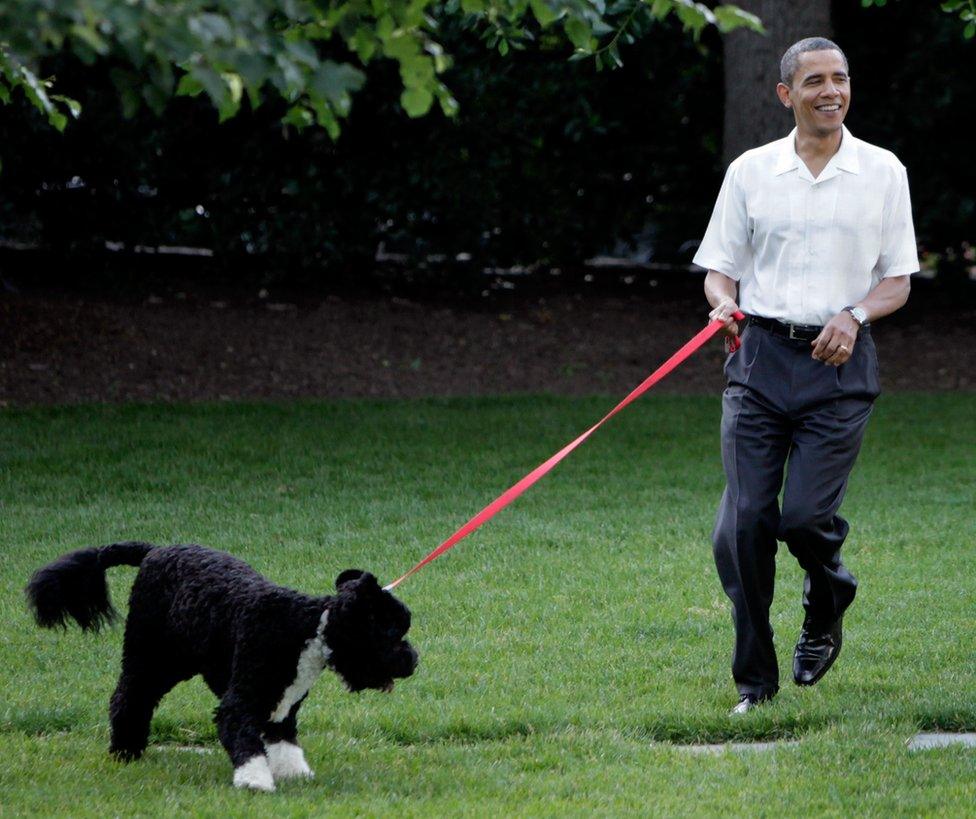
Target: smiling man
812 238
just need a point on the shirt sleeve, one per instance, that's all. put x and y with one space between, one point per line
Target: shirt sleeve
899 252
726 247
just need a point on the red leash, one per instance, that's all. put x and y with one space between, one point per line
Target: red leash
513 492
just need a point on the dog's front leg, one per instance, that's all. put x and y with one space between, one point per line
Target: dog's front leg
239 730
286 758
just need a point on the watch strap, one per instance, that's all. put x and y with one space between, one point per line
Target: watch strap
854 314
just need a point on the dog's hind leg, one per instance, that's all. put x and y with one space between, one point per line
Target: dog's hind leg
239 729
286 758
150 669
130 712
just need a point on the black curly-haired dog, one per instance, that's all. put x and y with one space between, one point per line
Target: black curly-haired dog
259 646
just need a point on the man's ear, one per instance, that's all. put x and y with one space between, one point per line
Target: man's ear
783 92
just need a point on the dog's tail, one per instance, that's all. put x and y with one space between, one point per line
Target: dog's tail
74 586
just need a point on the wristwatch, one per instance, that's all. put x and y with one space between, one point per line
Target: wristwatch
859 313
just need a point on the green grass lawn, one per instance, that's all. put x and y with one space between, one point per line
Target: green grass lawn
565 648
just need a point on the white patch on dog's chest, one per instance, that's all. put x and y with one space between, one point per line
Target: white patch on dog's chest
310 664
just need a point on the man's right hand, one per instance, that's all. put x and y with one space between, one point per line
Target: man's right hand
723 312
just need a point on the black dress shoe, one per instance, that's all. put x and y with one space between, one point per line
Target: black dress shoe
816 650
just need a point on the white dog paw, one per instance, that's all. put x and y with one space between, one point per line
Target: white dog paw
254 774
287 761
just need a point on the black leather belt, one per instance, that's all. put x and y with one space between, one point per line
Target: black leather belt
800 332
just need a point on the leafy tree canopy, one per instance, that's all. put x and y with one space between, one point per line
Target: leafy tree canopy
311 53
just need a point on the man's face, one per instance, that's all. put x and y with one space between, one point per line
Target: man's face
820 93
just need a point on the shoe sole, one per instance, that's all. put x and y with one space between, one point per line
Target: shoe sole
826 668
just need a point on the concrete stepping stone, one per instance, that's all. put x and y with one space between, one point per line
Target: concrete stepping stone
188 749
939 739
725 747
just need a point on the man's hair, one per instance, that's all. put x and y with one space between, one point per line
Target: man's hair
791 59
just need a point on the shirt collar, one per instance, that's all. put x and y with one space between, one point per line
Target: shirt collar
846 158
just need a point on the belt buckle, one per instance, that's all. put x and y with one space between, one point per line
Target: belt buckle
792 334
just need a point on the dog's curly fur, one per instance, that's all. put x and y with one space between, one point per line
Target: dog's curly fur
259 646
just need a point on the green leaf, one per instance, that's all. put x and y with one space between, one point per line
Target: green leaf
729 18
57 119
155 99
970 31
691 17
578 33
37 95
235 84
449 105
661 9
543 12
294 77
335 81
363 42
161 76
303 51
298 116
417 70
73 106
232 102
327 119
211 28
384 27
91 38
416 101
402 47
189 86
214 85
253 68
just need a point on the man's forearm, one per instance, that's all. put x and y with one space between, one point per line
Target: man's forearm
719 288
720 291
836 343
888 296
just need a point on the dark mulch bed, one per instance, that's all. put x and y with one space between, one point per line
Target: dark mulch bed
62 347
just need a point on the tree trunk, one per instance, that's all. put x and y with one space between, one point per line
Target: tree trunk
753 113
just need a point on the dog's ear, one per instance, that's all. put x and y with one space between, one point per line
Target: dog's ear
364 579
348 576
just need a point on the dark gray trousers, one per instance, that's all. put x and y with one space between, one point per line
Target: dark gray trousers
782 410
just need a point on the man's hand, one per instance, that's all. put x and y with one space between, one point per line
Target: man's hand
835 344
723 312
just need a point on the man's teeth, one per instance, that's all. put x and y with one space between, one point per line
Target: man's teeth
828 107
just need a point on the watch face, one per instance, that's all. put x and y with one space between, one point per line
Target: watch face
859 315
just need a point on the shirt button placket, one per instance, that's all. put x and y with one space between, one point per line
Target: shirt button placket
798 282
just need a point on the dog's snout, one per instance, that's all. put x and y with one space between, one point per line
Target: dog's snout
408 659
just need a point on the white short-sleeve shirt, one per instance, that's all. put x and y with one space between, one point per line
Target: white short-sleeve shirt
801 248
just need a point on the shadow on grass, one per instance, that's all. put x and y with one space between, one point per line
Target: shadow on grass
709 729
953 721
40 721
170 732
684 730
467 733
